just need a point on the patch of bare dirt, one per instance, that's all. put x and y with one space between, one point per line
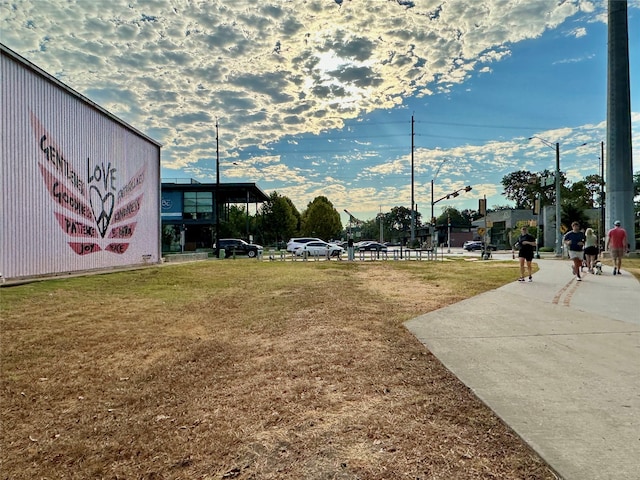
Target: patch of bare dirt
310 376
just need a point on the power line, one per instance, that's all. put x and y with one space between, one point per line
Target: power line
484 125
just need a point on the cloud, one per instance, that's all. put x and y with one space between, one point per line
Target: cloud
233 60
579 32
268 71
574 60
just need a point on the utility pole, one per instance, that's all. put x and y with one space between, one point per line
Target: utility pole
217 199
448 233
381 217
413 212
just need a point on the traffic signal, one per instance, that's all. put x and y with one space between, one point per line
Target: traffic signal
536 206
482 208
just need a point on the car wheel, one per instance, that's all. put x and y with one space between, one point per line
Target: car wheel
251 253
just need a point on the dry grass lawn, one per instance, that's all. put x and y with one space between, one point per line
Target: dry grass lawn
246 370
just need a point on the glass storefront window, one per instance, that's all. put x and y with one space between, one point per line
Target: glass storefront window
198 206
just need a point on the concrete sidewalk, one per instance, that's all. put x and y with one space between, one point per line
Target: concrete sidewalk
557 360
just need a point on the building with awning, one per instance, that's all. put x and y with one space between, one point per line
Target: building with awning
188 211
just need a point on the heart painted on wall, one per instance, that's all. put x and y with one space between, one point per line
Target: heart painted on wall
102 207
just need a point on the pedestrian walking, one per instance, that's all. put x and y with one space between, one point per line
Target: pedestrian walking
574 241
590 249
616 244
351 256
526 244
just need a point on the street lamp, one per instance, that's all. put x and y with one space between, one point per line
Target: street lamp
557 182
350 248
601 201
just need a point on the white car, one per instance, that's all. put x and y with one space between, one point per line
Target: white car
294 243
320 249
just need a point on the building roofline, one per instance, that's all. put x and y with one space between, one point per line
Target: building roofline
39 71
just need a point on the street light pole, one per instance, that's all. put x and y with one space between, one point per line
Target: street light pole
432 181
432 203
447 197
556 146
381 217
558 213
413 213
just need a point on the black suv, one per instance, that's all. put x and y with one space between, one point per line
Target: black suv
237 246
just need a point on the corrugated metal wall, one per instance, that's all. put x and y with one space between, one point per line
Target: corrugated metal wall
80 189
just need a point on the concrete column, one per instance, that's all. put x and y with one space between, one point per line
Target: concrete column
619 174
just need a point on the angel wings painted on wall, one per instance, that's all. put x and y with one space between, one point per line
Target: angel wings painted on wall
96 212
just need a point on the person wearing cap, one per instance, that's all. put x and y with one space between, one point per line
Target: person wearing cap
616 244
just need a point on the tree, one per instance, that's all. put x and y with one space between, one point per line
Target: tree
594 185
235 224
453 214
584 193
519 188
470 215
399 220
497 208
578 196
321 219
574 213
634 232
295 212
370 229
279 220
636 194
523 187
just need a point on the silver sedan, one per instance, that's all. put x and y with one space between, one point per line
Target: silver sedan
320 249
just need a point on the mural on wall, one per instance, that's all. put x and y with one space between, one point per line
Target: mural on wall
100 208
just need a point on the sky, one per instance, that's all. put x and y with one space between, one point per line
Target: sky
343 98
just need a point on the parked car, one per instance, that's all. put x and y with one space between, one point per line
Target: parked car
362 243
477 245
319 248
294 243
239 246
470 244
372 246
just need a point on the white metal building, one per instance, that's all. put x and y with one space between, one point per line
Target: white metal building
79 188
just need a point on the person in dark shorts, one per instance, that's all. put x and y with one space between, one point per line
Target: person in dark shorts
574 241
590 249
527 247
